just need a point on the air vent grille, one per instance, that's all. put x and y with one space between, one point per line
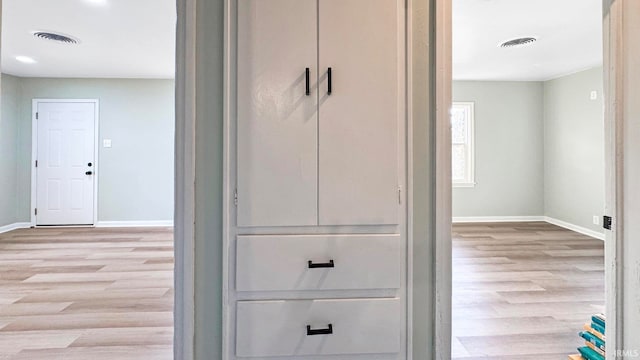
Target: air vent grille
518 42
44 35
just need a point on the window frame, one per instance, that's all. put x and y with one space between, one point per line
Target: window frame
470 179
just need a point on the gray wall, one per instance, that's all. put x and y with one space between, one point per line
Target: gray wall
574 148
508 143
208 188
136 174
539 149
9 120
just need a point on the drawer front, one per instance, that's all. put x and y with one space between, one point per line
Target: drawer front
318 327
338 262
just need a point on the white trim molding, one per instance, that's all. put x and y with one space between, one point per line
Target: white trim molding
442 94
524 219
576 228
497 219
616 77
616 69
185 171
14 226
152 223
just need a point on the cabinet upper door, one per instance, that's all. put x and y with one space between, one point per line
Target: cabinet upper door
359 121
277 118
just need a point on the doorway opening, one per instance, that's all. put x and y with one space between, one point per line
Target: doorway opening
528 168
87 130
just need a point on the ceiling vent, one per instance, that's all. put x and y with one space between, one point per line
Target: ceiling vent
44 35
518 42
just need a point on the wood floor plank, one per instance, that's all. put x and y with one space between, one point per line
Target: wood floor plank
136 352
22 309
14 342
99 276
125 337
523 344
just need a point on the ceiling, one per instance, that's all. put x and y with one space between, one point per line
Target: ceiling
569 36
118 38
136 38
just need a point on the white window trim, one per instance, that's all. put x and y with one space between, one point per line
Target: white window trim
470 182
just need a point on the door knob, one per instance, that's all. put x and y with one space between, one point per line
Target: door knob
89 173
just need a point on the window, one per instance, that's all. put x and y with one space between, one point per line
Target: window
462 151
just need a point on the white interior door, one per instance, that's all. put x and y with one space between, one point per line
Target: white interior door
277 116
359 119
65 169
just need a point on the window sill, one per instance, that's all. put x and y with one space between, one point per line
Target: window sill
464 185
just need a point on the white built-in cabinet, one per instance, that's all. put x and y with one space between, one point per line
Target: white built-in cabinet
316 245
318 107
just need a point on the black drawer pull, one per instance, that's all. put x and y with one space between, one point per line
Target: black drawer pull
327 331
329 82
306 80
330 264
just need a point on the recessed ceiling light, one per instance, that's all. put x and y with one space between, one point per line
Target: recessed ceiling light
518 42
97 2
25 59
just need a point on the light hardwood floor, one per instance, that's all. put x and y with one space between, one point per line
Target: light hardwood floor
86 294
523 291
520 291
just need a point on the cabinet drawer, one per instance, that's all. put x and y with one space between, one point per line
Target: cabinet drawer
318 262
318 327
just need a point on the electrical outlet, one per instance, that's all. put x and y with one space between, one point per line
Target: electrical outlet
106 143
596 220
594 95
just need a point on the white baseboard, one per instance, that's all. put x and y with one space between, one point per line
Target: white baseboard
156 223
15 226
550 220
576 228
497 219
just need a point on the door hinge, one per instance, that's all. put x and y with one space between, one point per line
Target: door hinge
399 195
36 163
235 197
37 116
36 211
607 222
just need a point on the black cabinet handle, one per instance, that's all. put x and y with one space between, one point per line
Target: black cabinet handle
89 173
327 331
306 77
330 85
330 264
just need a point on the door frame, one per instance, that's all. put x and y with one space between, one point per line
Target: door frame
34 152
614 77
614 81
186 90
